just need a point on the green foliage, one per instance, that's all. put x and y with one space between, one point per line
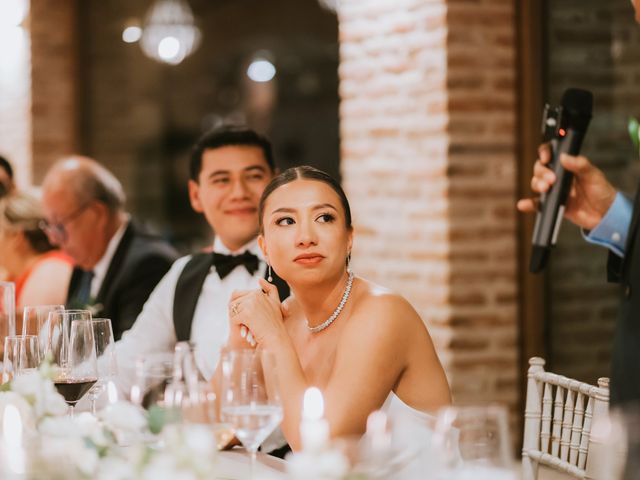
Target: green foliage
634 133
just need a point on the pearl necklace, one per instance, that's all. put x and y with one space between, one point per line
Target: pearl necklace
336 312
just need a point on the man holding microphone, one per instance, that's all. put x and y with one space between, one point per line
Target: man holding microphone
607 218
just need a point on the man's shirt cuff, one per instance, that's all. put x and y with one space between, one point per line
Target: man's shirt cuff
612 230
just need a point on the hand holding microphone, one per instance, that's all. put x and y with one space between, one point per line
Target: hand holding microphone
590 195
583 199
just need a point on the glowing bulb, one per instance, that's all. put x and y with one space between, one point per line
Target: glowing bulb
131 34
168 48
261 70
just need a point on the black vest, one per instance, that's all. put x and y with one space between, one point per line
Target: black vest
188 290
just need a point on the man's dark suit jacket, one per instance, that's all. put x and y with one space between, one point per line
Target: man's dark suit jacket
138 264
625 373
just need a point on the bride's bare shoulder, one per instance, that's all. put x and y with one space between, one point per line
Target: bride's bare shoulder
378 301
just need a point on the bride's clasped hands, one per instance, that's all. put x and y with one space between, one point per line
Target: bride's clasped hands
257 317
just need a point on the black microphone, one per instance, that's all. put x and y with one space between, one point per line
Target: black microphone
564 128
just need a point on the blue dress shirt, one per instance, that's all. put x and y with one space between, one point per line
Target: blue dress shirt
612 230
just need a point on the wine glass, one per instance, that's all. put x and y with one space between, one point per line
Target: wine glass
153 372
473 442
35 321
77 367
54 334
250 396
106 358
21 355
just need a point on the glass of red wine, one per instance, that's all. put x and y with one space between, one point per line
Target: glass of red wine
78 370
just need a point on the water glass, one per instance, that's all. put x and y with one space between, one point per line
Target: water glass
21 355
250 396
153 372
473 442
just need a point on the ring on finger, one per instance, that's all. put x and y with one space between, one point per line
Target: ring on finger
234 308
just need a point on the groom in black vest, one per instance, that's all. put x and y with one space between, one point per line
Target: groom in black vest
229 169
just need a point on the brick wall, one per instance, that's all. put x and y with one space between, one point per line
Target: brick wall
428 125
592 45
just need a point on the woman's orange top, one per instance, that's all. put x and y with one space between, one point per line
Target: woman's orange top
21 280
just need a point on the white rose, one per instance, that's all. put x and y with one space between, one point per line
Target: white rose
124 416
164 467
192 446
58 427
41 393
30 386
114 468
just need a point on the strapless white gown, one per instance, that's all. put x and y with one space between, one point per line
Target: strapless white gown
412 430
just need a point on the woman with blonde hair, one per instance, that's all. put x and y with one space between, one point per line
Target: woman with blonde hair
41 274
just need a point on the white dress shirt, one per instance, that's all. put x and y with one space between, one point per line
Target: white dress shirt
154 331
101 267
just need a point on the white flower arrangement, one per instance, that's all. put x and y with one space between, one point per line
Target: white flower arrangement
35 396
114 446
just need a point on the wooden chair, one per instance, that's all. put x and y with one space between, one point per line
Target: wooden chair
558 417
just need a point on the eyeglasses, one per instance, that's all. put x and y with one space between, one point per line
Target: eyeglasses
58 230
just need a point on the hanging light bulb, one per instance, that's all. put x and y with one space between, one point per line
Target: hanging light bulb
170 33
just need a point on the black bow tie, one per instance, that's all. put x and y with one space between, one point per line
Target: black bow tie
226 263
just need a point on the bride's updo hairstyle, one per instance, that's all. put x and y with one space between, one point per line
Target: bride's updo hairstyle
304 172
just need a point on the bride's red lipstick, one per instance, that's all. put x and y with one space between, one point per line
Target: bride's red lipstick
309 258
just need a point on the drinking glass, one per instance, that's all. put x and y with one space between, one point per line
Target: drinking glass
473 442
250 396
153 372
35 321
77 368
194 398
106 358
54 334
21 355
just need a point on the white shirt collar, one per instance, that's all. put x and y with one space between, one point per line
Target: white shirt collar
101 267
252 246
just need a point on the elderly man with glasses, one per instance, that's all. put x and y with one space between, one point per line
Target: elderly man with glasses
117 264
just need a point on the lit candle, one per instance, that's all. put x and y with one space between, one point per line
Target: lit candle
378 432
314 429
14 455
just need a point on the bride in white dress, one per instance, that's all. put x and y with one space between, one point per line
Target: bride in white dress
365 347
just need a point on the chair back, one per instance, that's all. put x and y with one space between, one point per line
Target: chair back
558 417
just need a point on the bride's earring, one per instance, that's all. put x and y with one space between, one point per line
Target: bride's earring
349 262
269 277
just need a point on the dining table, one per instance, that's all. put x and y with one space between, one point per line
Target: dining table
236 465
